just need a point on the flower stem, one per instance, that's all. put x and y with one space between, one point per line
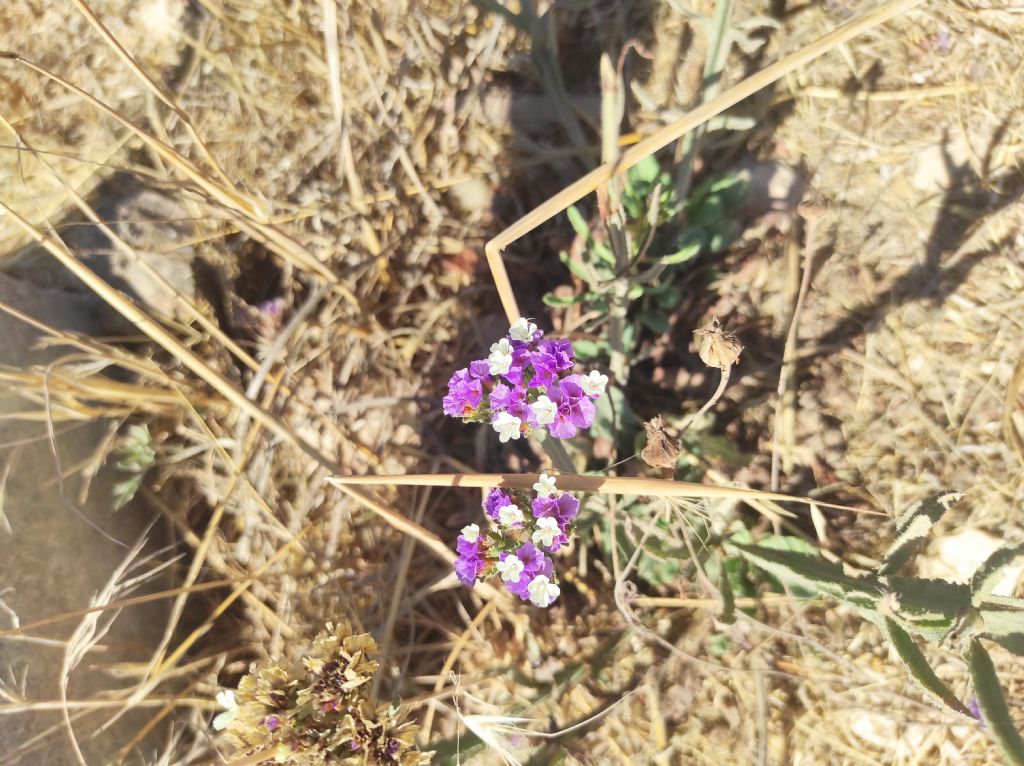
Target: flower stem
711 402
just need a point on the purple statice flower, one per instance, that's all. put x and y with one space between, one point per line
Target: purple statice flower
471 562
479 370
520 360
564 509
495 500
272 722
534 563
561 350
464 394
545 369
510 400
575 409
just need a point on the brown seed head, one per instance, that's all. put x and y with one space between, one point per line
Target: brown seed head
717 347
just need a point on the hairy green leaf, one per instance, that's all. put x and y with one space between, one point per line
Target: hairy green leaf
913 526
991 573
917 664
993 704
814 574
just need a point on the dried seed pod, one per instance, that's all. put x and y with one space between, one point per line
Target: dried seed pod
662 451
717 347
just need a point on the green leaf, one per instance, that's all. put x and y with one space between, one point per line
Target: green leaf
913 526
990 574
993 704
124 491
655 320
577 221
686 252
589 349
555 301
929 608
813 574
1003 623
604 253
578 269
917 664
709 211
646 171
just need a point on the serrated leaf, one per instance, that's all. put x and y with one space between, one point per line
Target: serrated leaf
913 526
577 221
993 704
990 574
917 664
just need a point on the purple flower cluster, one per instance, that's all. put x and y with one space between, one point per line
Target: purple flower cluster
526 386
516 543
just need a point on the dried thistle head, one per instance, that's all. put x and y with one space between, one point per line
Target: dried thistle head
717 347
661 450
319 711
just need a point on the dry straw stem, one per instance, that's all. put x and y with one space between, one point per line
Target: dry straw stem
666 135
605 485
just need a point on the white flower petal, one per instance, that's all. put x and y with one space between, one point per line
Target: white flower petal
593 384
471 532
510 515
545 486
544 410
522 330
542 591
510 568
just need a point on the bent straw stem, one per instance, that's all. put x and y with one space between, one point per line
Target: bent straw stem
669 133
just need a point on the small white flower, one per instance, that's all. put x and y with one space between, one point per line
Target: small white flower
471 532
545 486
542 591
500 359
594 383
510 568
522 329
510 515
546 532
507 426
544 410
226 699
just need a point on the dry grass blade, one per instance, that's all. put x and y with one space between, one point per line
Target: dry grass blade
666 135
607 485
229 198
119 604
156 89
